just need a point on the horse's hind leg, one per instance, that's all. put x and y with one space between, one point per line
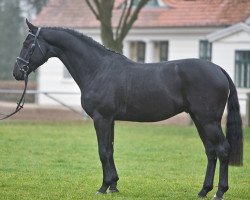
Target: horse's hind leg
221 145
216 147
209 178
222 151
211 161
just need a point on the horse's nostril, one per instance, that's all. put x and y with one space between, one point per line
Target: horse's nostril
17 75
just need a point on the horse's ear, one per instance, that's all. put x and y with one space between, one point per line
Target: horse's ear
31 27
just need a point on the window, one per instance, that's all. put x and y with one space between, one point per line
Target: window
141 52
160 51
137 51
242 69
205 50
151 3
164 51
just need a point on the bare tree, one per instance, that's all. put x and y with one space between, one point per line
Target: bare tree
112 37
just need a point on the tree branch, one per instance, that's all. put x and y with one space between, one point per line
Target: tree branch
93 9
128 12
103 9
97 3
131 18
121 18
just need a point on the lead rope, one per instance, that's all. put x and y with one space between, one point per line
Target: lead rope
21 102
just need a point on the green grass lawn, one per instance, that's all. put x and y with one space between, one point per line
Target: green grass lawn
60 161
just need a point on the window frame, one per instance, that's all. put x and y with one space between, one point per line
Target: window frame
163 56
150 3
140 55
205 50
242 65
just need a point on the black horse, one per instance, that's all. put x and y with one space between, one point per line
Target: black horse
116 88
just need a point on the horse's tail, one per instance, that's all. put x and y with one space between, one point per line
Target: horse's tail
234 133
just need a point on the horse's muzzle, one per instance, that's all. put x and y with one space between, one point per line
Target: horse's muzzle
18 74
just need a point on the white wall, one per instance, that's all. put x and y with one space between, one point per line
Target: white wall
51 79
223 54
184 47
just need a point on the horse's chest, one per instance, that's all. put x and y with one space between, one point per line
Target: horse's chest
101 102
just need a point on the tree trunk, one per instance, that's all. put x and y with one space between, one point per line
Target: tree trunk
110 42
107 35
102 9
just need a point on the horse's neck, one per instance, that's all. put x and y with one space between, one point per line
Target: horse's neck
81 59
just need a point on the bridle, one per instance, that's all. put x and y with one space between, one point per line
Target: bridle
25 68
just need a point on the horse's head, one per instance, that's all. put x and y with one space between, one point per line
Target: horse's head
33 53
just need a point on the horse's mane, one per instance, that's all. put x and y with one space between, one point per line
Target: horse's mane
83 38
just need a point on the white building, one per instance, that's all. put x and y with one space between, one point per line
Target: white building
231 50
165 30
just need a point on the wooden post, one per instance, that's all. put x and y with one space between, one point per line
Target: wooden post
248 110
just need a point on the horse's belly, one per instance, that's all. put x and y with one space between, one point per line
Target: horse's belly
149 117
150 109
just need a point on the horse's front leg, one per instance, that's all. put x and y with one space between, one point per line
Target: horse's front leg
105 136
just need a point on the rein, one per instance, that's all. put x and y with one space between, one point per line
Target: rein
25 68
21 102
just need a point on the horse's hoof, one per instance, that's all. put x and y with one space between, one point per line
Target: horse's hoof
202 197
217 198
100 193
113 191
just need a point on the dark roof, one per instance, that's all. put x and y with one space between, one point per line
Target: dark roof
175 13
